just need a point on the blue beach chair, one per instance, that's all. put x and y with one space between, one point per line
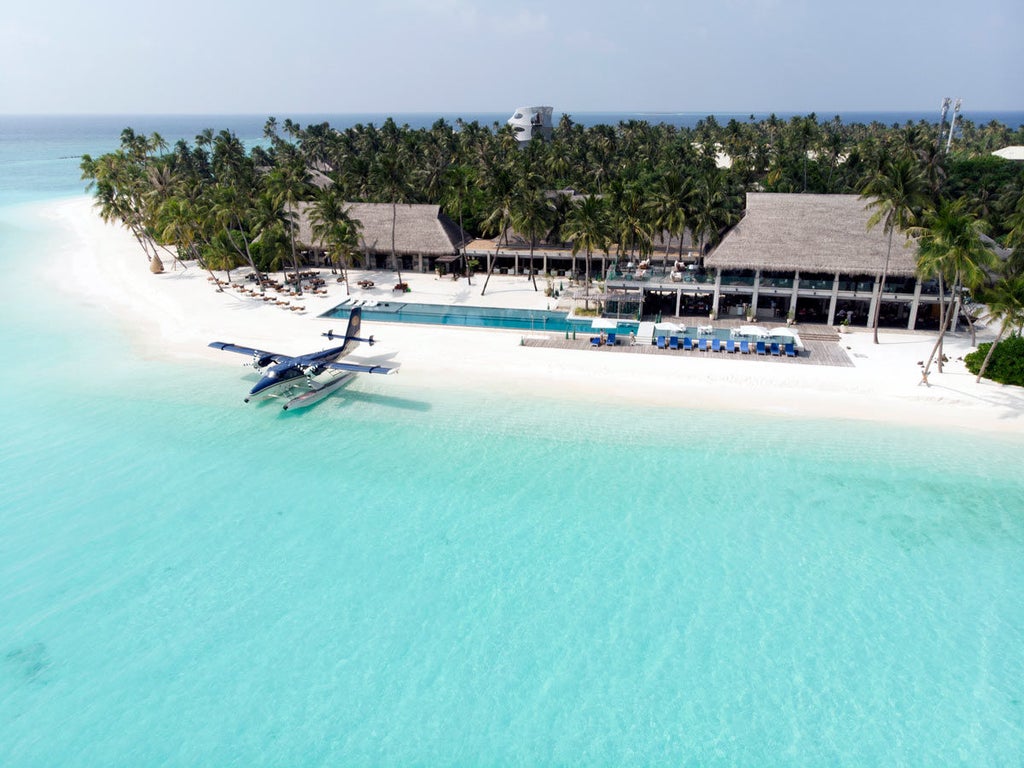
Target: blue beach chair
716 345
730 346
673 342
611 340
687 343
775 348
703 344
661 342
595 341
790 349
745 347
760 348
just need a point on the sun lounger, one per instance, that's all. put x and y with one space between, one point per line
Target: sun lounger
775 348
730 345
661 342
716 345
673 342
687 343
595 341
760 348
611 340
745 347
703 343
790 349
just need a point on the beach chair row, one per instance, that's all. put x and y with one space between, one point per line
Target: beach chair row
744 347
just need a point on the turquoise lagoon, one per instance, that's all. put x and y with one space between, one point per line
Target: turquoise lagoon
460 579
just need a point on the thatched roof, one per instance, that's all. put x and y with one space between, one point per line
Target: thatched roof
810 233
419 229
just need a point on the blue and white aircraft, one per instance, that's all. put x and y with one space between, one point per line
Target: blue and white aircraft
283 374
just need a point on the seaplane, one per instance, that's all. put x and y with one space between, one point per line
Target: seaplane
306 379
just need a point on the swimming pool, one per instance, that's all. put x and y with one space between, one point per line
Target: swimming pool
473 317
520 320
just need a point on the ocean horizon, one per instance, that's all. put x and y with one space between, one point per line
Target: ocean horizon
458 577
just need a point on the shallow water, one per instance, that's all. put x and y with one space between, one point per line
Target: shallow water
396 577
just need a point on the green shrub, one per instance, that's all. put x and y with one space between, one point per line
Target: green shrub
1007 363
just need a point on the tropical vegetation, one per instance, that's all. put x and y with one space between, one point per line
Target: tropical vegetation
227 206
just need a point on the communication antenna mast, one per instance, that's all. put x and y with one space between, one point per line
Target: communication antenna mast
952 123
942 122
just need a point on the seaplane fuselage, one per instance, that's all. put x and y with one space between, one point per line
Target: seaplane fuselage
283 375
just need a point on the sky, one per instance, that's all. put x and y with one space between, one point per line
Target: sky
476 56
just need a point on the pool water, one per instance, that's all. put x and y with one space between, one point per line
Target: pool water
473 317
512 319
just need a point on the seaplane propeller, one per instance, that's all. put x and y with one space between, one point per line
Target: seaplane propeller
259 360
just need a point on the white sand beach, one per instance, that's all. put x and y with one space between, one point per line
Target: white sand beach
176 314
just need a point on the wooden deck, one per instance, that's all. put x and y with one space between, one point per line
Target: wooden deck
814 353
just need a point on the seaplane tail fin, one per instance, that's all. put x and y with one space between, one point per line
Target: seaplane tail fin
355 322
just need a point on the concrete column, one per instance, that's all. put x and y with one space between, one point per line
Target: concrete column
679 300
833 300
954 321
757 290
795 295
876 296
914 306
718 291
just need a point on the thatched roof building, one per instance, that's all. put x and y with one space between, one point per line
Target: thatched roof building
810 234
420 230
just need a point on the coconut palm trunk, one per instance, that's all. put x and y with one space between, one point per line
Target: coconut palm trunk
881 290
988 355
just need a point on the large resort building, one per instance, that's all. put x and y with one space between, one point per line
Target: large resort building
425 239
806 257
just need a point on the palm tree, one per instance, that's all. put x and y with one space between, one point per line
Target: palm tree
290 185
669 209
631 219
532 216
499 182
1005 303
234 213
589 229
389 177
951 246
458 188
898 195
332 225
712 209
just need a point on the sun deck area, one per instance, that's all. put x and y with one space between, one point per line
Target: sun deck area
821 346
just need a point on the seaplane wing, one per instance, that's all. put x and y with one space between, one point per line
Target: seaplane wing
316 374
264 357
357 368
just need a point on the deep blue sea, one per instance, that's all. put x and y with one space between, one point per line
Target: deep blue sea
400 578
